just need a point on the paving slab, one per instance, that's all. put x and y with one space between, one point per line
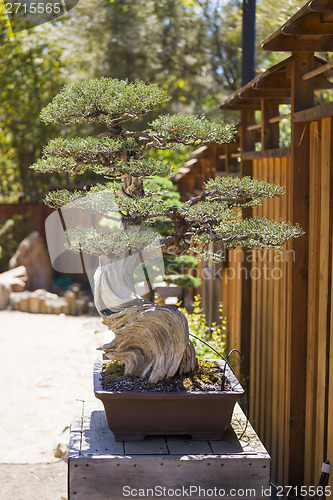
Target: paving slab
46 362
33 481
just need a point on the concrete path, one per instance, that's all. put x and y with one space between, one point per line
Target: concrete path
46 363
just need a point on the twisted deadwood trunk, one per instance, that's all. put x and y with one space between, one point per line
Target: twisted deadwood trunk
152 341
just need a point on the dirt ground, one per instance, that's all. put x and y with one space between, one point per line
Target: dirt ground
46 363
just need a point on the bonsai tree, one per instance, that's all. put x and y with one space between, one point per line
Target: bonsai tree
152 341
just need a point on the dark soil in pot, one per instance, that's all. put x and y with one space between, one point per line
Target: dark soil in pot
209 376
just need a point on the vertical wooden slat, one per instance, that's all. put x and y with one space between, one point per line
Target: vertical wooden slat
324 291
265 390
313 302
247 143
283 323
260 320
269 209
330 386
328 136
301 98
275 266
279 307
253 374
239 302
234 300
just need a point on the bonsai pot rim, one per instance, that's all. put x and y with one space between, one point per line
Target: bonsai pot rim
236 388
133 415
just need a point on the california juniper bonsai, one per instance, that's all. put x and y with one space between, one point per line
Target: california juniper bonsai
152 341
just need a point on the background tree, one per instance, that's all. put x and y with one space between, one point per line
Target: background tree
29 75
192 48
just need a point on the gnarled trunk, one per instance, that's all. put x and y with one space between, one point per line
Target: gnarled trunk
152 341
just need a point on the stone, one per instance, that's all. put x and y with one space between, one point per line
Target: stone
32 253
11 281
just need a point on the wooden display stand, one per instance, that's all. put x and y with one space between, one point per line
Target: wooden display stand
99 468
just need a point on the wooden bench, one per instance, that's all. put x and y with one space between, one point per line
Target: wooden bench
99 468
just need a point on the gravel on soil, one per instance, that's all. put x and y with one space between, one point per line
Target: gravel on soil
179 383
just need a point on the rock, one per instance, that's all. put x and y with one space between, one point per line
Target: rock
62 445
32 253
4 297
11 281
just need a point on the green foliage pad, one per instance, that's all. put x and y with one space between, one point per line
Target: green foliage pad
119 154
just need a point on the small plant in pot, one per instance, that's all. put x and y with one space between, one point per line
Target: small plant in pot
151 342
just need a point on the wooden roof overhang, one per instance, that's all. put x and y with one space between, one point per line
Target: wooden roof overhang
275 83
310 29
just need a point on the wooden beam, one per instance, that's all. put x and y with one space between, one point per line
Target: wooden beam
302 98
277 41
268 93
251 102
254 126
310 24
324 110
269 130
274 81
279 118
251 94
267 153
327 17
320 5
238 107
318 71
288 43
321 83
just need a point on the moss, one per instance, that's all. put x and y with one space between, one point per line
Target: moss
188 383
113 370
206 364
204 375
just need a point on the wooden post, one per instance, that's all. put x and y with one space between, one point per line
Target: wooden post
301 98
269 131
247 143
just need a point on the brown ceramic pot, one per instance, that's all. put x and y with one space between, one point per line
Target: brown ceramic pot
133 415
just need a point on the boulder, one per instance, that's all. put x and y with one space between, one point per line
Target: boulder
32 253
11 281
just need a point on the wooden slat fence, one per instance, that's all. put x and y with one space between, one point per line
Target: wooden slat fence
319 382
270 349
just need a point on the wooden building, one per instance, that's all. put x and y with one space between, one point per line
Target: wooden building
282 318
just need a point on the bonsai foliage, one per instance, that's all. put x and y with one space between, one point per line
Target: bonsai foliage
118 154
